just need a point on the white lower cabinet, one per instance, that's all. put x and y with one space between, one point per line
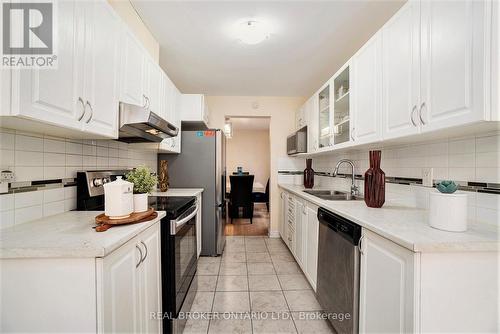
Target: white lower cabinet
131 284
299 228
113 294
386 302
402 291
311 244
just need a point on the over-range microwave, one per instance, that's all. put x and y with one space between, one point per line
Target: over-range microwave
297 142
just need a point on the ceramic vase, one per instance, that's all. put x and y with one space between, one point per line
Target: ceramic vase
308 174
375 182
140 202
163 177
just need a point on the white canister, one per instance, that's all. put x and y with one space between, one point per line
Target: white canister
141 202
118 200
448 212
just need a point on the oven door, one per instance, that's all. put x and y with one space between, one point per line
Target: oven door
183 235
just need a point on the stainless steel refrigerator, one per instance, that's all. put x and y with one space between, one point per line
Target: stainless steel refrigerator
202 164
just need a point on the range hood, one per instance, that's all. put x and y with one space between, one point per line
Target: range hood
140 125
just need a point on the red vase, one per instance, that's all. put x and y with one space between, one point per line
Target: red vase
308 174
375 182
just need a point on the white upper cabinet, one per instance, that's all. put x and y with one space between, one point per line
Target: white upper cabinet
400 65
103 35
152 88
324 103
366 92
312 125
80 96
133 66
453 73
194 108
56 96
301 117
341 121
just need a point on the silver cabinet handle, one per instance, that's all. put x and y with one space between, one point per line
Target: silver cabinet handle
146 249
83 109
91 112
360 247
420 113
148 103
413 113
140 252
145 98
352 134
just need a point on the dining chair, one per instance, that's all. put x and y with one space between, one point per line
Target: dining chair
240 199
262 197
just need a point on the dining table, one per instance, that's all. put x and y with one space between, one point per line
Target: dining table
257 187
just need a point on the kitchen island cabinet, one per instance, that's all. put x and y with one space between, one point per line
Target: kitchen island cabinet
59 275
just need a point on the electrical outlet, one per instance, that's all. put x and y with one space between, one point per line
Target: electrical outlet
427 177
6 176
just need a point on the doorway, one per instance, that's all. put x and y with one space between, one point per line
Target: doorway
248 156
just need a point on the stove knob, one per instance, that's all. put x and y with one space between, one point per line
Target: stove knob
97 182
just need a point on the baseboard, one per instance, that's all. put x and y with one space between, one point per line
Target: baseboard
274 234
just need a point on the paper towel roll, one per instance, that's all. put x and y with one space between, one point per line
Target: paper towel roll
448 212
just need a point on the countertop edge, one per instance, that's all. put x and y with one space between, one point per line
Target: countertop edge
78 251
418 247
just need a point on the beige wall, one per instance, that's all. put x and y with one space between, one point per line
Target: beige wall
281 110
127 12
250 150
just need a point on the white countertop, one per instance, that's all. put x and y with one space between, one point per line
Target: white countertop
178 192
66 235
407 226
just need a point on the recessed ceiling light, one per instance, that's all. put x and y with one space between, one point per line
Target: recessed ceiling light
252 31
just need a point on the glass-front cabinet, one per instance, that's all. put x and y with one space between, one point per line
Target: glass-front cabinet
324 120
341 107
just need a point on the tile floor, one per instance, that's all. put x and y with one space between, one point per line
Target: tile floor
258 278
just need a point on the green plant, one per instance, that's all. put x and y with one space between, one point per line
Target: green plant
143 179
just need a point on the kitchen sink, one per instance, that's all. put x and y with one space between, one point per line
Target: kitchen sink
333 195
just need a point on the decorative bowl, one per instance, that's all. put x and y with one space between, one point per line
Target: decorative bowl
447 187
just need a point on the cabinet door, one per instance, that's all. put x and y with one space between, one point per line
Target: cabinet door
400 65
324 105
366 93
152 79
312 227
150 279
282 219
55 96
454 40
121 309
313 126
133 66
299 233
101 74
386 303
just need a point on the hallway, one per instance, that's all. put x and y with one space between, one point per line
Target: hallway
242 227
258 280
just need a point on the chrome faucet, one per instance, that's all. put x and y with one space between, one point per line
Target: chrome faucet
354 189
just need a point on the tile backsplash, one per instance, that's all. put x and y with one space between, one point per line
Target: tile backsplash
473 159
34 157
469 159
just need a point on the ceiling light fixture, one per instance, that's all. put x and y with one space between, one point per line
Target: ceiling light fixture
252 32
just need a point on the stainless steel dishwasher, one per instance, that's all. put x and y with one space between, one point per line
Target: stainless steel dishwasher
338 270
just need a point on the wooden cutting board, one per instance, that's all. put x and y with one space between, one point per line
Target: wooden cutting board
104 223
